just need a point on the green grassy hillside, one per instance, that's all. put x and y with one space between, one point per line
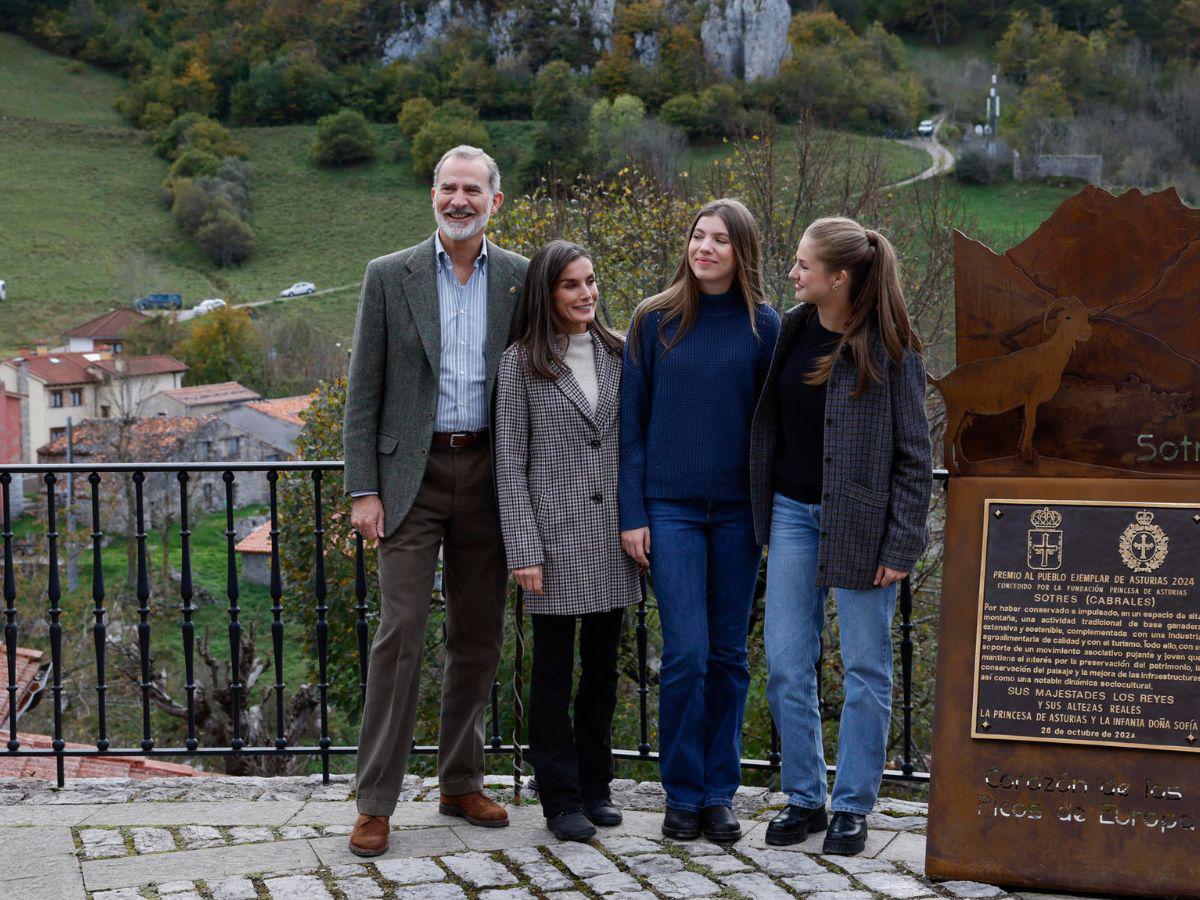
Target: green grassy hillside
83 227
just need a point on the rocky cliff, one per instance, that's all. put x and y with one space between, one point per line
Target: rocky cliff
742 38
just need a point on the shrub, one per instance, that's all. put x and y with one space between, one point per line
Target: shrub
192 163
211 137
975 166
683 111
167 138
441 133
721 109
343 138
225 238
413 115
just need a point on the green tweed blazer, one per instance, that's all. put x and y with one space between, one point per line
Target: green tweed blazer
392 395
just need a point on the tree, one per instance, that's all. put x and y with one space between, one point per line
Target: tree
225 237
610 123
1041 115
452 124
344 138
684 111
558 104
224 346
414 114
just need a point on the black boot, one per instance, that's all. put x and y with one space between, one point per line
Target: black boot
795 823
681 824
602 812
720 825
571 825
847 834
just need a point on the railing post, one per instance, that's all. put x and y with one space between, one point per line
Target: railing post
360 606
320 590
143 595
99 629
10 612
276 609
518 697
54 592
235 626
187 628
643 677
906 656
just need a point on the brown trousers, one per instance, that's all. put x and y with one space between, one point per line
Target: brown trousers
454 509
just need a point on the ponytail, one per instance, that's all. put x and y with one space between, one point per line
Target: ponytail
876 298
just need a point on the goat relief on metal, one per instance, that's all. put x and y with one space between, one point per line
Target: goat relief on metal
1079 348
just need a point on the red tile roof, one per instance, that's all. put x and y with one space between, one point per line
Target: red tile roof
113 324
286 408
257 541
28 663
154 440
136 767
60 368
125 366
201 394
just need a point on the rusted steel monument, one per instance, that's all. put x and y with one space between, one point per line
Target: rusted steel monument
1066 743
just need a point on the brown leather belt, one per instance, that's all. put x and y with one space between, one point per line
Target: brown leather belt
458 439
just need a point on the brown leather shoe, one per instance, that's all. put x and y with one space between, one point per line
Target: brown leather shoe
370 836
477 808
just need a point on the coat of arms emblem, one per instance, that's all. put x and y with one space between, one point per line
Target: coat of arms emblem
1044 547
1143 545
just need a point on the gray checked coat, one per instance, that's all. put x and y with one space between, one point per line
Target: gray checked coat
556 475
878 469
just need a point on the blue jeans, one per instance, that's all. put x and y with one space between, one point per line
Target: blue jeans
794 621
704 561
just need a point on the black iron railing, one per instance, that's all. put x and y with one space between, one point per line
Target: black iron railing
51 476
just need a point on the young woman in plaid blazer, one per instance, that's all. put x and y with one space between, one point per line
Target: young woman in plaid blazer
841 474
557 442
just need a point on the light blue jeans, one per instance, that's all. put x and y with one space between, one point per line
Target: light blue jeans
794 621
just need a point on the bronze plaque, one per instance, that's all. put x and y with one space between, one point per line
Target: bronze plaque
1089 624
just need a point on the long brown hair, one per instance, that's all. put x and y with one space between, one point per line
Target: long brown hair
534 322
876 298
681 298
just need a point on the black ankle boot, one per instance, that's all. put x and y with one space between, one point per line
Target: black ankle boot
720 825
602 812
847 834
681 824
795 823
571 825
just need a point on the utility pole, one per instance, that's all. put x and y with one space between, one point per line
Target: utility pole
993 117
72 564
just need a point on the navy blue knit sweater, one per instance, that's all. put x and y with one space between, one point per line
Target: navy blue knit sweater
686 412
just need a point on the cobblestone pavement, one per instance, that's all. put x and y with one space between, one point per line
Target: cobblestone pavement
285 839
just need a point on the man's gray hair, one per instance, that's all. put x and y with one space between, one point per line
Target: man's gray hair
466 151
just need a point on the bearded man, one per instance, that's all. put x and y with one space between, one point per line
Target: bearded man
432 323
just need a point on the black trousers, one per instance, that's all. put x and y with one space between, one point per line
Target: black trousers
573 759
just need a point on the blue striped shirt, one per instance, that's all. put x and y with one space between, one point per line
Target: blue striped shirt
462 378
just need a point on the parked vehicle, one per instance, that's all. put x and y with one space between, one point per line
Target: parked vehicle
925 129
207 306
300 287
159 301
3 291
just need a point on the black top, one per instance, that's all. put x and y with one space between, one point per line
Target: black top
799 457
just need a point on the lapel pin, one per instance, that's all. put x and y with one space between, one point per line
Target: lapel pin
513 289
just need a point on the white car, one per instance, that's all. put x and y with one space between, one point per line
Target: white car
300 287
207 306
3 293
925 129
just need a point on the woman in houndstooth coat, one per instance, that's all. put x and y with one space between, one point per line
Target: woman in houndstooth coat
557 445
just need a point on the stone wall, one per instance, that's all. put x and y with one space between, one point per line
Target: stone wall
1087 167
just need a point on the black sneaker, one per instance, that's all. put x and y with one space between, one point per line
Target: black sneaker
846 835
571 825
602 812
794 824
720 825
681 824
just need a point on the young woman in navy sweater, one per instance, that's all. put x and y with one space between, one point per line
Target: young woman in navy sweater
696 358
